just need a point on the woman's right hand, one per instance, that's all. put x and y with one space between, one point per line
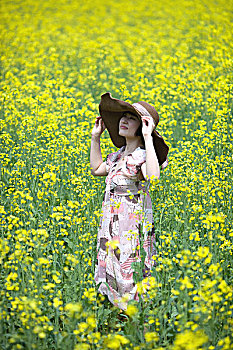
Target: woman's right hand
99 127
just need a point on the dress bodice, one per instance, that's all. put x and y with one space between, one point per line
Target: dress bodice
127 176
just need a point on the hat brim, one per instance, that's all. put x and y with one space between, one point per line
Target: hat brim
111 111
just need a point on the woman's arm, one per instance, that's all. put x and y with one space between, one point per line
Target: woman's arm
150 169
98 167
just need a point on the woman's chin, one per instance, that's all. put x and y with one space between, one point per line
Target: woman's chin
122 133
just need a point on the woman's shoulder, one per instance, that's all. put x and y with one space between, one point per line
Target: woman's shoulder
112 157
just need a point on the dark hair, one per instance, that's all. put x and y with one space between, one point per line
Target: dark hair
139 130
139 133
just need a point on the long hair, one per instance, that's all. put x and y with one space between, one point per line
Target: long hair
139 133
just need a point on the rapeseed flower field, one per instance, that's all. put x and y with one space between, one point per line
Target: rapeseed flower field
57 58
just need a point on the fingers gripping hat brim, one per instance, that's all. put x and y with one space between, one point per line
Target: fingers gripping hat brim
111 111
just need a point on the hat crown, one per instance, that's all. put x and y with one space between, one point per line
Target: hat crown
145 108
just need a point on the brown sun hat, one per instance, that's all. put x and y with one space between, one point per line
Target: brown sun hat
111 111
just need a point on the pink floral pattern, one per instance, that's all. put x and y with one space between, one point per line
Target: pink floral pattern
127 211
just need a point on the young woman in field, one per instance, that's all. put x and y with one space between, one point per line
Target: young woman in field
142 152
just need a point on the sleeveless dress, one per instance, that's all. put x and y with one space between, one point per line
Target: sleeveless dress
127 219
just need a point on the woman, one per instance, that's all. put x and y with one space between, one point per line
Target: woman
127 208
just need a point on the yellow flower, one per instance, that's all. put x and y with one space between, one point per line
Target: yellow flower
113 244
57 302
202 252
123 340
56 279
73 307
151 336
131 310
83 326
42 335
115 341
189 340
91 321
82 346
185 283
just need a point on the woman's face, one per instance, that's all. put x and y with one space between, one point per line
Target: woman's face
128 125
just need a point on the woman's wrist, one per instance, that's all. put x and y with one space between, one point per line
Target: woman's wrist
148 139
95 137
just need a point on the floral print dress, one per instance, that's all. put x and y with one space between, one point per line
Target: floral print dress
127 215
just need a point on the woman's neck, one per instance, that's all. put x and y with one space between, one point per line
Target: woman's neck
132 144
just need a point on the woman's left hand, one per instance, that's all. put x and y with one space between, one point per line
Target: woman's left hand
148 126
